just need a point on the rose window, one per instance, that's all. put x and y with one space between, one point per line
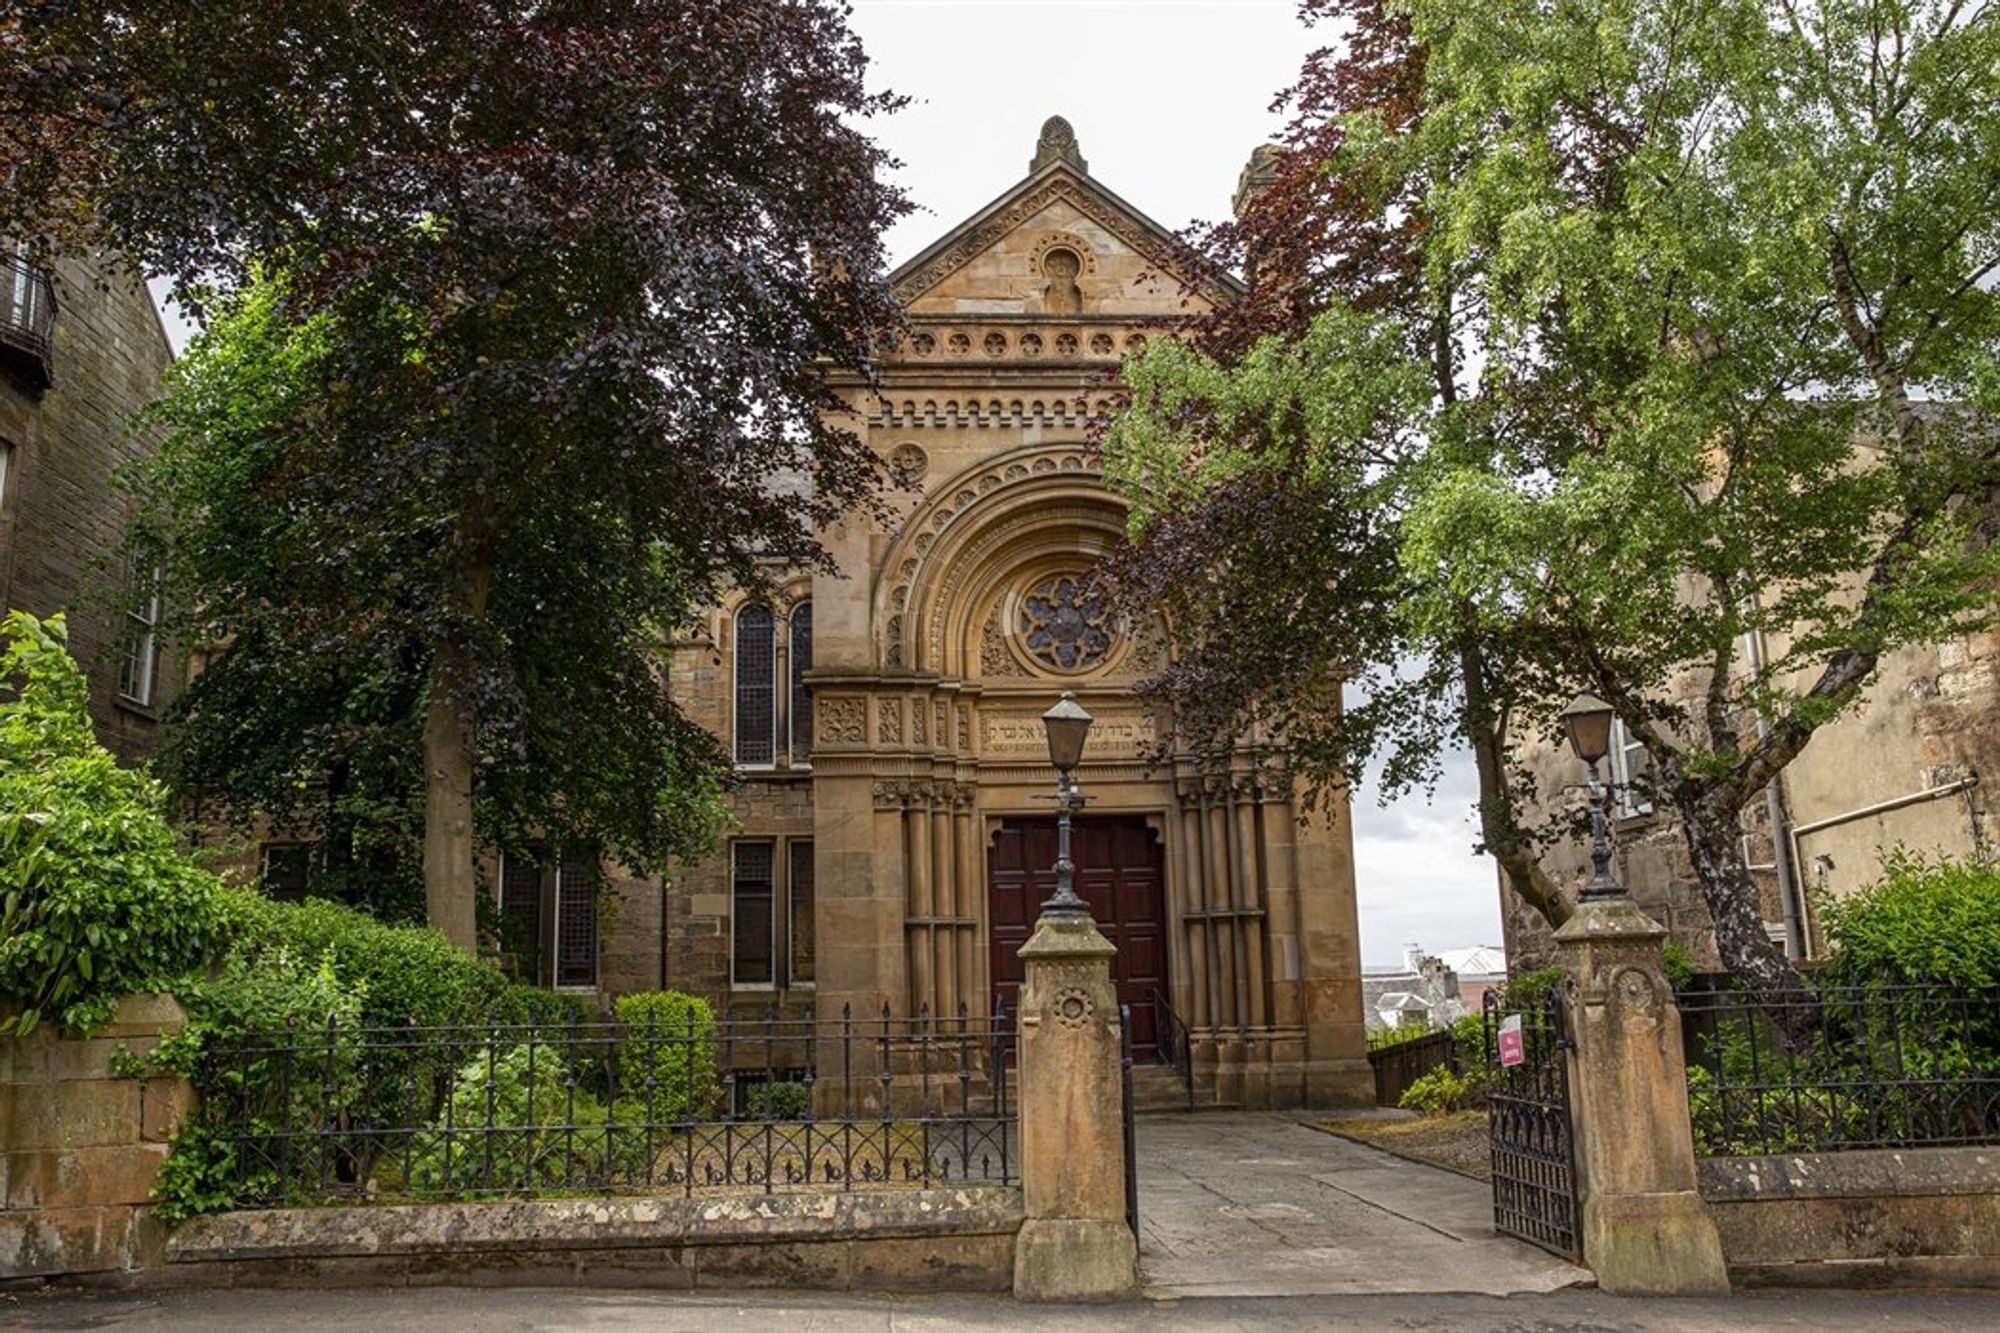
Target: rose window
1062 626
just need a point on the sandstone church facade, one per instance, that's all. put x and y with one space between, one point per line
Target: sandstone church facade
894 836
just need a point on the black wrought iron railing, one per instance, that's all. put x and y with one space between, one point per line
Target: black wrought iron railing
1841 1067
485 1110
1176 1049
27 317
1399 1065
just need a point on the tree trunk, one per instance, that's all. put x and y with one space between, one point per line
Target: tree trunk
1498 827
450 882
1713 831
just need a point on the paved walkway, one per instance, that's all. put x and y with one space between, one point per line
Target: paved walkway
1262 1205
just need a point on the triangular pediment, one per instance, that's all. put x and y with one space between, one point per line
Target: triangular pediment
991 264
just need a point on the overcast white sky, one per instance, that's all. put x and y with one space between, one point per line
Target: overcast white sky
1168 97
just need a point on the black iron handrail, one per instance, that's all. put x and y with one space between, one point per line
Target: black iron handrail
1176 1048
27 317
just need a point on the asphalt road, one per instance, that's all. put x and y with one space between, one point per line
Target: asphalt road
493 1310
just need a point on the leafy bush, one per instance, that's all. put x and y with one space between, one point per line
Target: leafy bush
666 1057
368 975
777 1101
412 974
1677 963
1468 1041
1926 920
254 1086
97 897
1531 989
518 1119
1437 1092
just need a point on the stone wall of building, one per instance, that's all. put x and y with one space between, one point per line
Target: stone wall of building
61 515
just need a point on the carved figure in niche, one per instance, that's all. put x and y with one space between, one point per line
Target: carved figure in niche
1064 627
1062 296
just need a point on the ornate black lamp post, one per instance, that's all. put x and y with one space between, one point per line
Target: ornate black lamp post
1068 726
1588 722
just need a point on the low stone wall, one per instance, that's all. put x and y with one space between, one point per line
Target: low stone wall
79 1146
1875 1218
885 1240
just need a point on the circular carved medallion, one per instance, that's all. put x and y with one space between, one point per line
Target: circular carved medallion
1073 1006
908 463
1063 627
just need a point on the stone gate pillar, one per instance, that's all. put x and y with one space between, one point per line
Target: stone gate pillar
1645 1229
1075 1244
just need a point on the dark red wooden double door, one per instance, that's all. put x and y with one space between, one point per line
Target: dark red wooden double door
1120 872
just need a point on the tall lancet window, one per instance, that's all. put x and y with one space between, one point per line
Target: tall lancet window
756 687
800 704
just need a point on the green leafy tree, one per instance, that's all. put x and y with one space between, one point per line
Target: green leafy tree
97 897
1702 298
568 279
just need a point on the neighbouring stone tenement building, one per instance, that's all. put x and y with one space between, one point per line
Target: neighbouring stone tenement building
1904 768
80 352
895 838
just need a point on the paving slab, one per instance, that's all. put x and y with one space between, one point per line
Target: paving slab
1254 1205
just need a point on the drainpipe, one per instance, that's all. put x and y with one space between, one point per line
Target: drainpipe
1784 840
1882 807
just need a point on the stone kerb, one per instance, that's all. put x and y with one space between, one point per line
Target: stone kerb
1075 1244
80 1146
1645 1228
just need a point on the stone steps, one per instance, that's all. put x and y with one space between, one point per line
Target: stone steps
1158 1088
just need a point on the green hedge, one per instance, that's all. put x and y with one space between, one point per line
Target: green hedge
97 897
1927 920
666 1062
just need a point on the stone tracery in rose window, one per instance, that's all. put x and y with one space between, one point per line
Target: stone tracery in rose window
1063 626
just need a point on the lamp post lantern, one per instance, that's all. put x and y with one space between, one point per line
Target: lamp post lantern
1068 726
1587 721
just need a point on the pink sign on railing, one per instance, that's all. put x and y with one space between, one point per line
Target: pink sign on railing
1513 1050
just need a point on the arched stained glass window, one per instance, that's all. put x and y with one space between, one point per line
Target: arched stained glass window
800 703
756 686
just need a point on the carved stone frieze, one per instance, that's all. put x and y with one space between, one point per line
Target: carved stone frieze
843 721
995 658
889 721
1077 413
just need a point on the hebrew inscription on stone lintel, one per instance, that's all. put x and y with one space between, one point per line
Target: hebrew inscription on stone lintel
1009 734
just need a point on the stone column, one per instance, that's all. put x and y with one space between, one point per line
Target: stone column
1075 1244
1645 1229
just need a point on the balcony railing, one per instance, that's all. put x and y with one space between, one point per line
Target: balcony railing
27 319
